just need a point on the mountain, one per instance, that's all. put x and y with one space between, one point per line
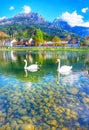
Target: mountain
24 21
63 24
79 30
82 31
57 27
24 18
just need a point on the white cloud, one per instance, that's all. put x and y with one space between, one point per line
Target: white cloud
26 9
84 10
11 8
2 18
85 24
74 19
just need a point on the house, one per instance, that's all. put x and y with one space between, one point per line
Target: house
74 42
1 42
9 43
87 40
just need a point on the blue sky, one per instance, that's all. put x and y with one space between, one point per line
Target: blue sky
75 12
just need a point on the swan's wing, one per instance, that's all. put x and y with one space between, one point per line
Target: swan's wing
32 67
65 73
33 70
66 68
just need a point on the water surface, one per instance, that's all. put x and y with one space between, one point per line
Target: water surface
44 99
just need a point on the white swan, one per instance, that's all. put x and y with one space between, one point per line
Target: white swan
32 68
63 69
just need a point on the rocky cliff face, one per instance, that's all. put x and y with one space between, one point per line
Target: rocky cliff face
25 18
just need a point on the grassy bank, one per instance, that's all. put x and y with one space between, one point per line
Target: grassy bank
44 48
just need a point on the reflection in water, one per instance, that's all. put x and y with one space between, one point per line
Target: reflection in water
6 55
58 78
44 100
29 57
26 71
63 77
13 56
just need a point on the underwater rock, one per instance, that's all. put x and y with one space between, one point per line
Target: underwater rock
2 114
13 123
25 118
53 128
26 127
71 114
73 90
77 124
20 121
38 128
46 100
68 112
23 111
2 119
6 127
30 121
44 126
74 115
46 110
53 122
64 128
86 100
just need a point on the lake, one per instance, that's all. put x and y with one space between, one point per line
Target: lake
44 100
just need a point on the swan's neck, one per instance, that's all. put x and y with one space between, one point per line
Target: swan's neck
25 67
58 65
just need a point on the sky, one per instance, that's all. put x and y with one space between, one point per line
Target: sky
75 12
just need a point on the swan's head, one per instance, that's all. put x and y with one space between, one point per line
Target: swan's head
25 60
58 60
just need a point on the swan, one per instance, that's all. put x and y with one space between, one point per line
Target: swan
63 69
32 68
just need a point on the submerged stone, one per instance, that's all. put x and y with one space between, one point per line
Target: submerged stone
64 128
53 122
26 127
73 90
86 100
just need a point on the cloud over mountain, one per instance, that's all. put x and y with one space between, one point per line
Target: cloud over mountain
26 9
74 19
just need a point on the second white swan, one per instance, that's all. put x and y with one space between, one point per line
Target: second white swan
63 69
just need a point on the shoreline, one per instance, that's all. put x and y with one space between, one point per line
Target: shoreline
45 48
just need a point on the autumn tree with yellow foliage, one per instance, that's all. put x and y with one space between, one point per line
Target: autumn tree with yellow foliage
56 40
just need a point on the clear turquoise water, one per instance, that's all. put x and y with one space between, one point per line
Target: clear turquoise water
44 99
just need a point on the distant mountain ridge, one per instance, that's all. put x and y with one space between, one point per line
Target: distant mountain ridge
26 18
82 31
56 27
